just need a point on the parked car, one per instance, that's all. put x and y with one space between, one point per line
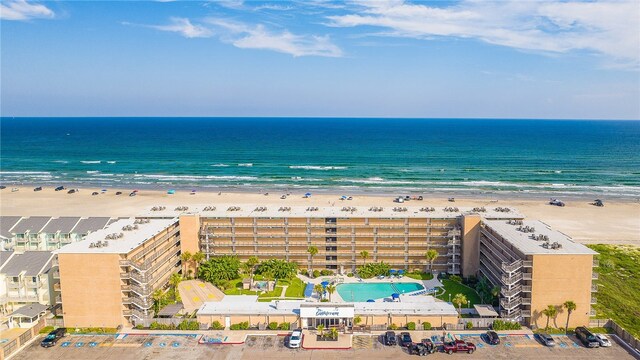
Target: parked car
52 338
556 202
418 349
586 337
39 188
598 203
295 339
118 192
94 193
2 187
405 339
390 338
603 340
459 346
72 191
492 337
545 339
59 188
431 347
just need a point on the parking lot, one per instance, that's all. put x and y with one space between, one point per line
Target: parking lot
137 347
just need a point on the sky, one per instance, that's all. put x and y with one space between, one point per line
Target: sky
321 58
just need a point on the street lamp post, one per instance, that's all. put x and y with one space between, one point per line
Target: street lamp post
449 297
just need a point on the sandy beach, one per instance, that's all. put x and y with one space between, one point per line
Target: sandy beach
618 222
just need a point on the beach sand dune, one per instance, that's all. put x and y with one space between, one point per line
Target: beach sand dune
617 223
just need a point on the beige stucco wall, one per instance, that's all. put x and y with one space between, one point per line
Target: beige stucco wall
91 294
189 229
470 244
556 279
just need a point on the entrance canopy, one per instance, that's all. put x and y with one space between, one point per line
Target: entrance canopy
486 310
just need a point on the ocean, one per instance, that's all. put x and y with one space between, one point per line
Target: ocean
345 156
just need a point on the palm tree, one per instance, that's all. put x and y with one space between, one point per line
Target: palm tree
459 299
495 291
331 289
319 290
174 280
320 329
313 251
549 312
158 297
364 254
251 264
185 258
570 306
197 259
431 256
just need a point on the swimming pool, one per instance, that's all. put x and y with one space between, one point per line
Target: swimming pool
358 292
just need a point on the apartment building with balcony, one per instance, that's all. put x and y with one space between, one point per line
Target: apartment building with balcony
46 233
534 266
108 278
27 278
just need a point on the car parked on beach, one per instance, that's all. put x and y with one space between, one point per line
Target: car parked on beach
545 339
459 346
418 349
431 347
52 338
390 339
295 339
556 202
586 337
59 188
405 339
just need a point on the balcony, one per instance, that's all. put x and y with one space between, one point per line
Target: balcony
594 288
510 280
525 313
13 285
56 286
593 300
526 288
142 304
594 276
510 314
56 274
126 300
526 301
142 290
508 305
596 262
592 312
21 298
511 292
58 299
516 265
526 276
125 276
527 263
126 312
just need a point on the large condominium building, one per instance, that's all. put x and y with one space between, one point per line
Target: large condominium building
107 279
27 278
399 237
46 233
534 266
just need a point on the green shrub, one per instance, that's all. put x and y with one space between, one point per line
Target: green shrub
411 325
393 327
373 269
455 278
350 274
324 300
216 325
46 330
188 325
316 273
158 326
426 325
505 325
277 269
326 272
240 326
273 325
284 326
139 327
468 325
304 272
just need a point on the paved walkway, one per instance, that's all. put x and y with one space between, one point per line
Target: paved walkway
195 292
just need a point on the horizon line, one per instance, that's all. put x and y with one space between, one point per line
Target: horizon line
322 117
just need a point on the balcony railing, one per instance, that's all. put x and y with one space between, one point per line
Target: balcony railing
142 304
510 292
593 300
510 314
526 276
526 301
592 312
510 280
596 262
526 288
508 305
56 274
527 263
58 299
594 288
516 265
594 276
56 286
21 298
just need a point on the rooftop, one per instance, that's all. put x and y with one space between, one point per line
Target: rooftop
32 263
342 209
6 223
31 224
91 224
64 225
29 311
525 242
129 240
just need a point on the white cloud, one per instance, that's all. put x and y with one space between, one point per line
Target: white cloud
22 10
185 28
608 28
259 37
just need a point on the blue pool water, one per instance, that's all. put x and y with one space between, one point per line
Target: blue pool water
364 292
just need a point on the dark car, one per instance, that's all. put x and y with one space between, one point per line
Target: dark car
431 347
418 349
586 337
545 339
52 338
390 338
459 346
492 337
405 339
72 191
39 188
118 192
59 188
2 187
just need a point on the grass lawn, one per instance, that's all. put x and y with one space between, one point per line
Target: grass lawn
419 276
618 296
453 288
296 288
271 294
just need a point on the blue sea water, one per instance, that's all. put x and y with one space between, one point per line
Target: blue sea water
452 156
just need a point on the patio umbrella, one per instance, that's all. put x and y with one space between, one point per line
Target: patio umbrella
104 190
395 296
307 194
171 192
371 300
324 283
400 272
392 271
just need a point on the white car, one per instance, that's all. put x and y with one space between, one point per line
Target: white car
295 339
603 340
